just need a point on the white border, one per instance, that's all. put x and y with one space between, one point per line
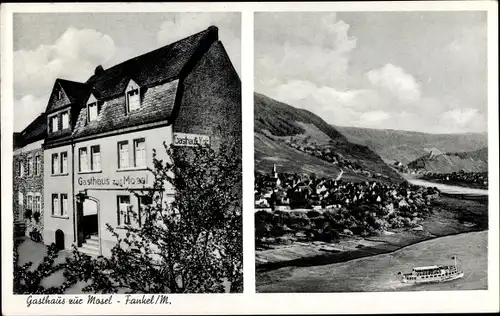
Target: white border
249 302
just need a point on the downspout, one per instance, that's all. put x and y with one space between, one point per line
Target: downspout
73 189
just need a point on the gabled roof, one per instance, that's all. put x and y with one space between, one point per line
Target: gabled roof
160 65
35 131
159 74
76 91
73 94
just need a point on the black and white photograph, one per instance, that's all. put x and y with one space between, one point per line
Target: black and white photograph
371 151
227 158
127 153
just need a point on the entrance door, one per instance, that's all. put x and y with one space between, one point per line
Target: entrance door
59 239
79 223
90 221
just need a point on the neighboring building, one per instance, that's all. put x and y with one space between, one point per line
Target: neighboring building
27 173
102 133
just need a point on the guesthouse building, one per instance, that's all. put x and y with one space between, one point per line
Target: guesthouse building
102 133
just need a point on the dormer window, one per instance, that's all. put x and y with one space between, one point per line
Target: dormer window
93 108
65 120
92 111
133 97
134 102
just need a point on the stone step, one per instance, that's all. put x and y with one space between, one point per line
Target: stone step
92 241
91 251
91 245
94 237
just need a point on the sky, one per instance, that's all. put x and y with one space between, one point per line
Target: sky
71 45
416 71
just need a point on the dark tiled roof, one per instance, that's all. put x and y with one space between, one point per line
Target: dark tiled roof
157 66
74 94
76 91
35 131
155 72
157 105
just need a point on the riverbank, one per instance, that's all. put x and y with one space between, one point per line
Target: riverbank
450 215
446 188
379 273
459 183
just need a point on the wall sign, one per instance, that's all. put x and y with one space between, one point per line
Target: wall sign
107 181
190 140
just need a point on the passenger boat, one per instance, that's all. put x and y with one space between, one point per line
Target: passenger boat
436 273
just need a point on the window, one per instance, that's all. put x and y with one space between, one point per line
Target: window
21 168
64 204
38 204
65 120
133 96
54 124
29 202
20 201
123 158
133 100
59 95
144 202
139 153
95 157
64 162
30 166
124 210
55 203
92 111
38 165
55 163
83 159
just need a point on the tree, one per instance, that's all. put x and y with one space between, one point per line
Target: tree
190 245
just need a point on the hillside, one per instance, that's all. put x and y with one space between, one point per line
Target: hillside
474 161
406 146
298 141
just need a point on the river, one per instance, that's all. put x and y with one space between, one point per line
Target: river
446 188
379 273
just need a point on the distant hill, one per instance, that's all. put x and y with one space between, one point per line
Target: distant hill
476 161
277 125
406 146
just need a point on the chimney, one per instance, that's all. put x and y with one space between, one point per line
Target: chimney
214 32
98 70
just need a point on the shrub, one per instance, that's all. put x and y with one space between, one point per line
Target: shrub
328 234
27 214
313 213
36 216
319 222
277 230
298 215
262 230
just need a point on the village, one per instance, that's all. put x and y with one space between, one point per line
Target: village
323 209
282 191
